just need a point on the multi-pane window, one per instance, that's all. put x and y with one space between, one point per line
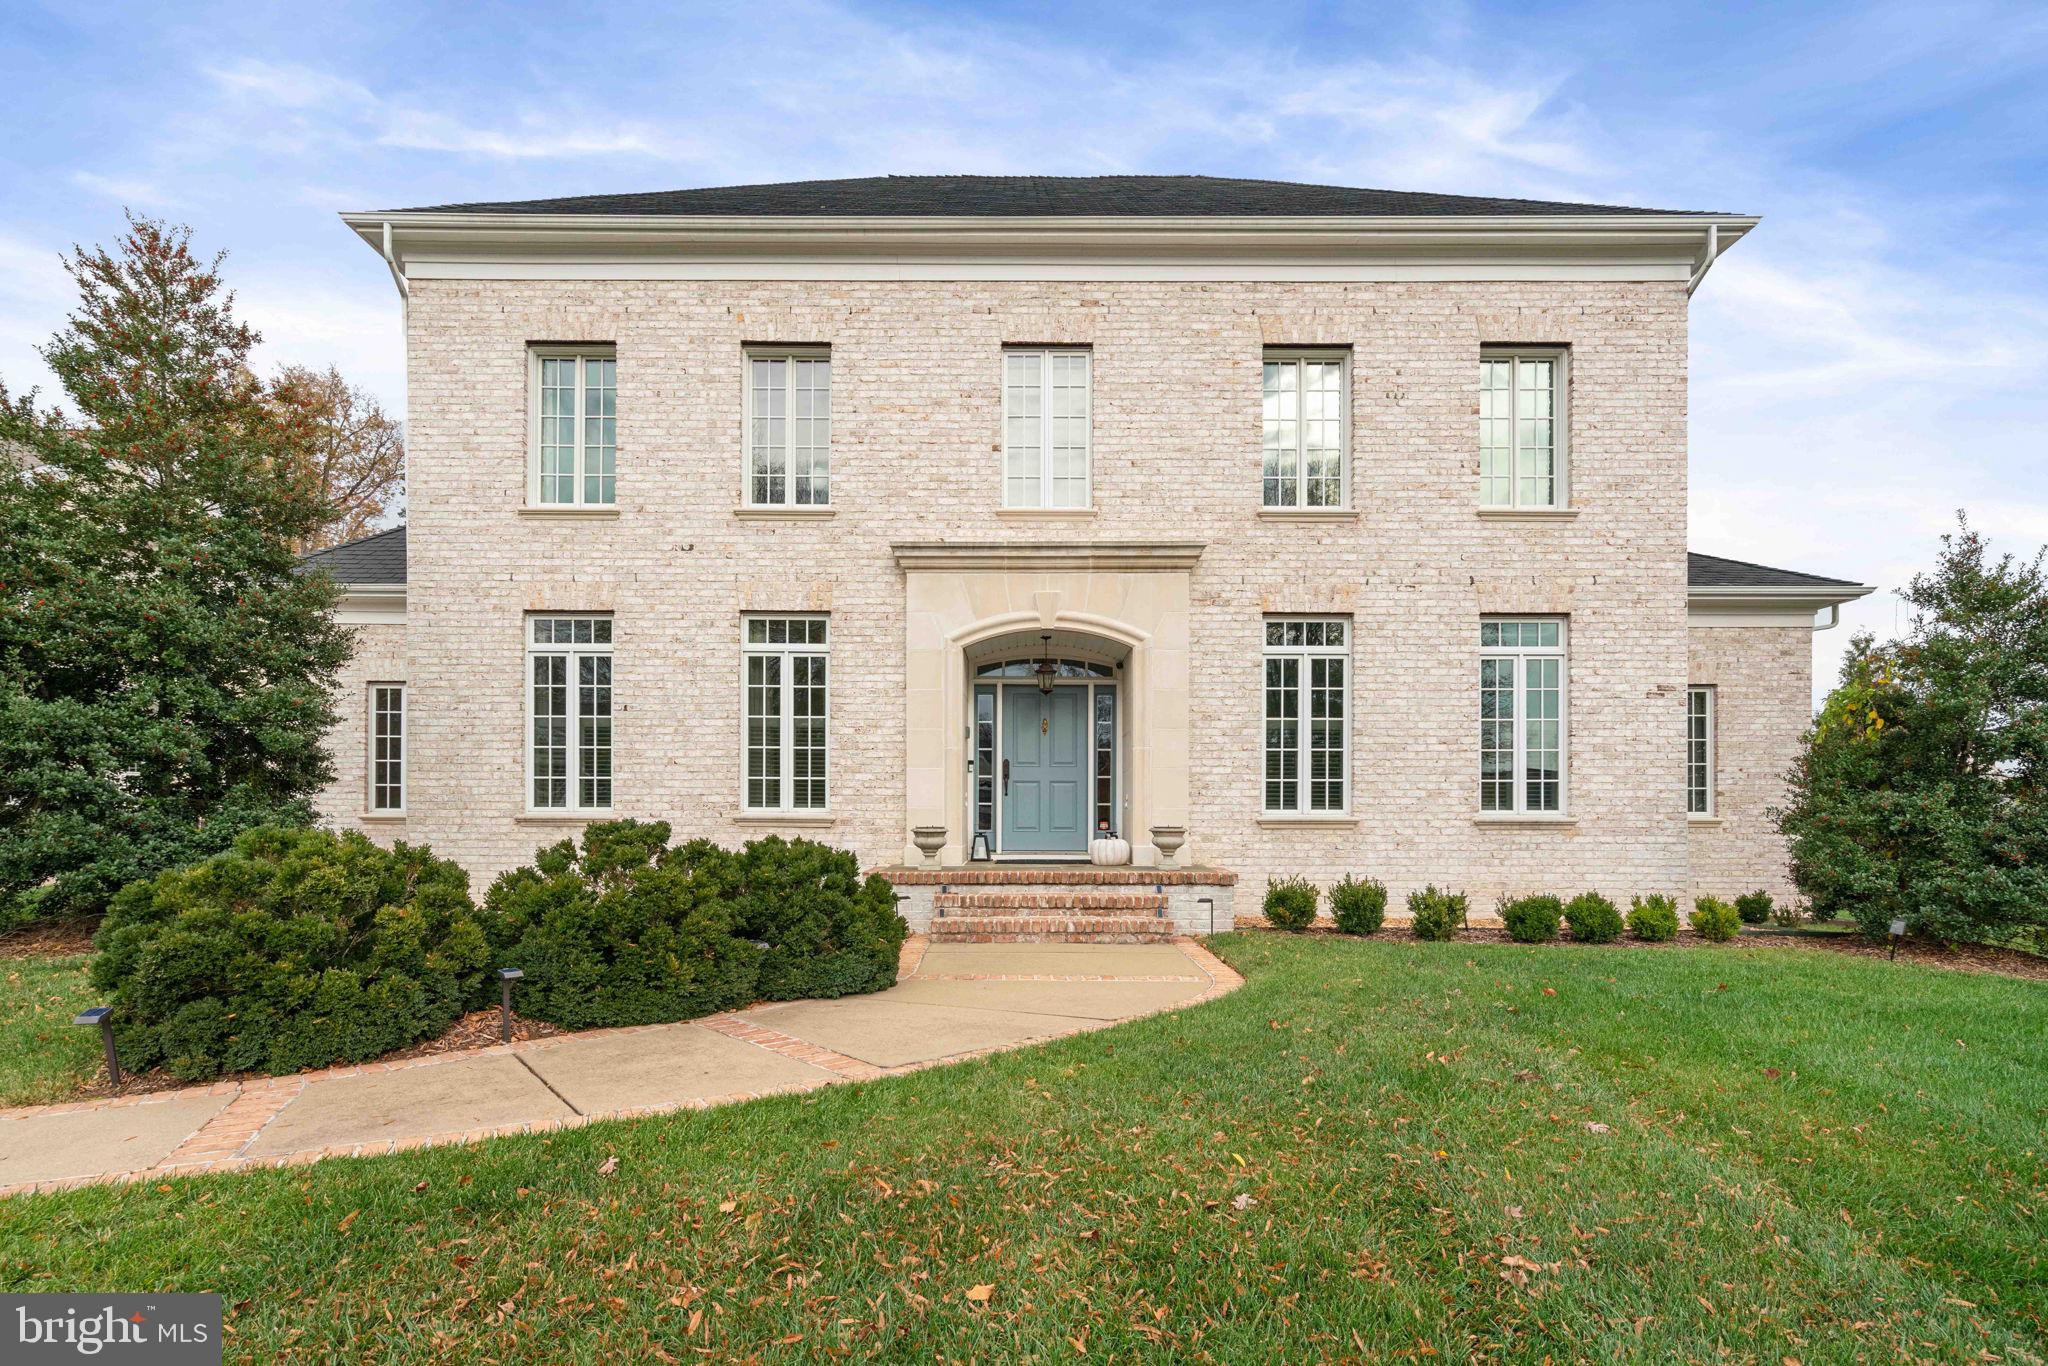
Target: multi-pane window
387 747
1305 420
1306 663
785 741
576 415
1699 751
1521 716
1045 429
789 429
1521 429
569 713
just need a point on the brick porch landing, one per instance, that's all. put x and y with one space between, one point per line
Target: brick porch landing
1073 903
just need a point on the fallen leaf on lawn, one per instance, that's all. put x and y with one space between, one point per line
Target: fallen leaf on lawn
1514 1211
1772 1073
347 1219
608 1166
420 1187
1243 1202
728 1206
1550 991
979 1293
1597 1127
1525 1075
1240 1160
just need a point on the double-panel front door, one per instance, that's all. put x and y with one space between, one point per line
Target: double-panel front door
1045 766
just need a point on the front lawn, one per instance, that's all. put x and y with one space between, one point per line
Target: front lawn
1373 1148
43 1056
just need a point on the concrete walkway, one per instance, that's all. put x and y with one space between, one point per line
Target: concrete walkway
954 1001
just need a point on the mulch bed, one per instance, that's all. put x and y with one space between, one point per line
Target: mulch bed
478 1029
49 939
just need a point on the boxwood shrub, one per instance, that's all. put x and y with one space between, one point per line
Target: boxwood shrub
1653 918
1531 919
1291 903
1436 915
628 930
1713 918
1593 919
292 949
1359 905
1754 907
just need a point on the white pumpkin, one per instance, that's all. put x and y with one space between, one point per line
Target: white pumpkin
1109 852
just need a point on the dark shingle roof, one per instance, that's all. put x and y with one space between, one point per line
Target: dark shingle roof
1711 571
1036 196
374 559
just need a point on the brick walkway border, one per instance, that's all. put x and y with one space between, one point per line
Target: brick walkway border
222 1142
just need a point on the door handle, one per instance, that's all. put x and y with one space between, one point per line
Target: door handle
1006 777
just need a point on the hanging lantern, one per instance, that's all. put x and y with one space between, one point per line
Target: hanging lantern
1046 671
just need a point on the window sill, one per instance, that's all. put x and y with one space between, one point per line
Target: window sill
560 817
1308 514
1702 820
1516 818
792 513
1528 514
1329 822
1043 514
806 818
382 817
568 512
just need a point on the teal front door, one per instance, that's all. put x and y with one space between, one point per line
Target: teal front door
1044 771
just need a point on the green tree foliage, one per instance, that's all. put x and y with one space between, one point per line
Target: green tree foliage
163 672
1920 790
294 949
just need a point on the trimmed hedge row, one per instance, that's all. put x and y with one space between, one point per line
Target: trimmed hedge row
1359 906
305 948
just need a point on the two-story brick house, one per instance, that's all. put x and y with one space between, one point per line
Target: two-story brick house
1325 530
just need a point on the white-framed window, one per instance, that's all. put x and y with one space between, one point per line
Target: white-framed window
1307 419
386 770
789 427
1522 427
569 713
575 422
1522 715
1307 714
1046 415
1699 751
787 714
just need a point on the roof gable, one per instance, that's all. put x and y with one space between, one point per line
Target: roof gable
377 559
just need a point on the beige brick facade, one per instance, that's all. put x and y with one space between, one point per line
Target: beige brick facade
345 802
916 439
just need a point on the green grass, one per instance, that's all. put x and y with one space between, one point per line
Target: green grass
1805 1156
43 1056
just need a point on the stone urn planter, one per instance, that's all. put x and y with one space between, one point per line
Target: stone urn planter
929 839
1168 839
1107 851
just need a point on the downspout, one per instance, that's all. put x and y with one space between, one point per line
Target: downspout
1834 619
397 272
1706 262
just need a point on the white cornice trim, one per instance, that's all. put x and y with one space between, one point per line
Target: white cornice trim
371 604
1089 556
1779 597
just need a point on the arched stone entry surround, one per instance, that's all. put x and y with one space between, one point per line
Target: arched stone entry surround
1129 600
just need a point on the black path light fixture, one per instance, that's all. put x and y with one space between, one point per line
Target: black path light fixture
1898 933
103 1016
506 977
1046 671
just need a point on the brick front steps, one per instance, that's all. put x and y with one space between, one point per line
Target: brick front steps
1063 903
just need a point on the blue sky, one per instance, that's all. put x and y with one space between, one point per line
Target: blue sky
1874 357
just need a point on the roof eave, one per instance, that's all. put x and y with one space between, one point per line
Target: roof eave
1778 597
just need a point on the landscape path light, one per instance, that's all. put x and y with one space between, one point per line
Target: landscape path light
103 1016
1898 933
506 977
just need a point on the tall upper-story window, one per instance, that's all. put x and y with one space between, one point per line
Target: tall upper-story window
1699 751
1307 417
1307 664
1522 428
1045 429
575 427
1522 716
789 428
786 713
569 713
